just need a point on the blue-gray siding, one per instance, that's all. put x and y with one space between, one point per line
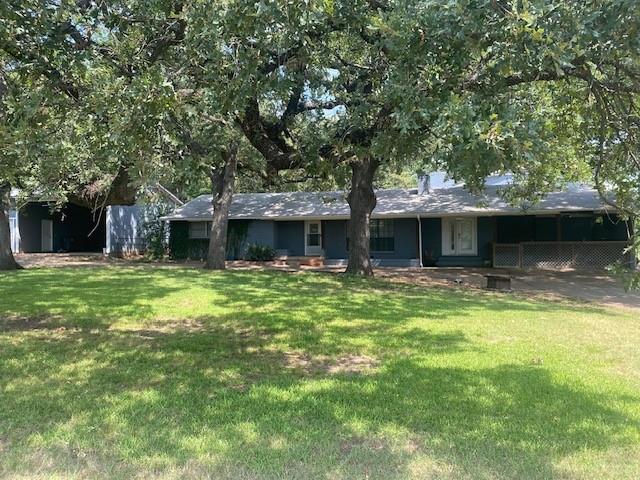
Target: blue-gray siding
125 228
405 232
290 237
261 232
126 225
334 238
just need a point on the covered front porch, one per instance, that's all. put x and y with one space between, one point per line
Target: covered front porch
559 241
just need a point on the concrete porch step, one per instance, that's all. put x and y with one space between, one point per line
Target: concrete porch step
299 261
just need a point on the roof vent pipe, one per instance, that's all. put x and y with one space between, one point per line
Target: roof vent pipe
423 183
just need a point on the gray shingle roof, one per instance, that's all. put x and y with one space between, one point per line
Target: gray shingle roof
451 200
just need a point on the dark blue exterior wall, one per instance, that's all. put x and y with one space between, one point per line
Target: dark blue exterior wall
334 238
30 226
289 236
405 232
432 244
431 240
486 237
261 232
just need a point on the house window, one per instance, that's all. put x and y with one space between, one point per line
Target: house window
199 229
381 238
459 236
313 235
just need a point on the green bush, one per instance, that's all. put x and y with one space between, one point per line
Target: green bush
260 253
155 235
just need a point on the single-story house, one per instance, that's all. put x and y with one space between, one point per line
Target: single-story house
439 223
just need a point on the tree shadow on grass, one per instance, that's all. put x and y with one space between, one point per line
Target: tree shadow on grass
78 297
217 391
101 297
151 402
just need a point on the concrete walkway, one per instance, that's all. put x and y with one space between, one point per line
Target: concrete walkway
598 288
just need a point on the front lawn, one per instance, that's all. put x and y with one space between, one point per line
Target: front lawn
180 373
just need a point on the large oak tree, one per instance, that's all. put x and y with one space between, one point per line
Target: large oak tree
476 87
545 90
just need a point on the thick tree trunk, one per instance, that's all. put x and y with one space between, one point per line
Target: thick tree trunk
222 185
362 201
7 261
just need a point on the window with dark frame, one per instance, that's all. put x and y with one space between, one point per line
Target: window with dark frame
381 236
199 230
382 239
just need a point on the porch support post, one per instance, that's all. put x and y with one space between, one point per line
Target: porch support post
107 222
15 234
559 228
420 240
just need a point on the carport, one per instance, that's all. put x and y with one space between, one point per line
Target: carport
72 228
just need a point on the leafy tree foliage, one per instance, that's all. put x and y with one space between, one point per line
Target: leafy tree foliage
163 89
476 87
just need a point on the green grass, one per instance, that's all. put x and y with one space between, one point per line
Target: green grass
180 373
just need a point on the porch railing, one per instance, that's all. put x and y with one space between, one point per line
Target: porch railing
561 255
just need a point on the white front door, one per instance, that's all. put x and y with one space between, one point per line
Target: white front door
466 236
47 235
313 238
459 236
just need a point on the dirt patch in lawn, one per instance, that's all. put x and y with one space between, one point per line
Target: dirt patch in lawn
373 444
592 287
17 323
320 364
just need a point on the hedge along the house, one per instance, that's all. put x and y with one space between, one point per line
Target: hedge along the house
181 247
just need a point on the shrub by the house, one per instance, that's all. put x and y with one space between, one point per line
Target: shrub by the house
260 253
